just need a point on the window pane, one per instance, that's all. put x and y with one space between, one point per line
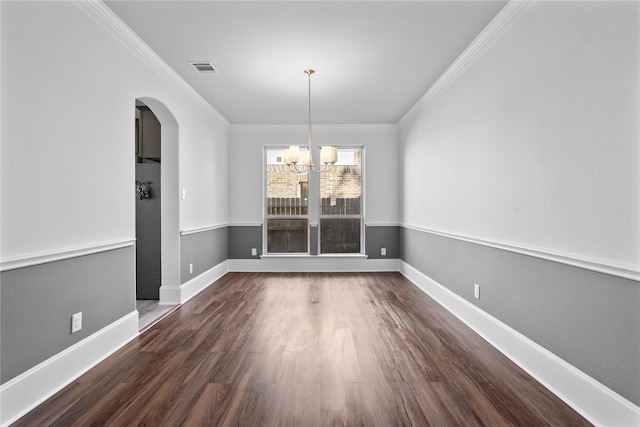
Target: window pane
287 235
340 236
287 192
341 187
340 204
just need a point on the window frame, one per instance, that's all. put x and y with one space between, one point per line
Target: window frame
314 210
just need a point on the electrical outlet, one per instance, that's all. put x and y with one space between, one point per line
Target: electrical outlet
190 268
476 291
76 322
383 251
183 194
254 252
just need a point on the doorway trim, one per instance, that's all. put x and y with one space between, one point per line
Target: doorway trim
169 203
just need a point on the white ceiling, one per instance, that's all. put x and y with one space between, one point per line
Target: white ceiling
373 59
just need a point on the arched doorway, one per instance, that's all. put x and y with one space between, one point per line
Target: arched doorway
169 262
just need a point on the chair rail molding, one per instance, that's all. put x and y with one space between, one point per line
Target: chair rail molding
30 260
188 231
600 266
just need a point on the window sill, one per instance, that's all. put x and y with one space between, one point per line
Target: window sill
308 256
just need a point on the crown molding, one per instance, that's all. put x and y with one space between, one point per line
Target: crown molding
508 15
120 31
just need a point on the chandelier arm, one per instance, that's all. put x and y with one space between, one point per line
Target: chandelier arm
294 168
326 167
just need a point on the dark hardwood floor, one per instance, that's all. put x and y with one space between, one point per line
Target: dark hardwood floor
306 349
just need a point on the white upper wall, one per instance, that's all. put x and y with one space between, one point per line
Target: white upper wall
69 85
381 166
536 142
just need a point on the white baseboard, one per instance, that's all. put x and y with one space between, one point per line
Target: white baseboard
594 401
174 295
313 264
170 295
23 393
196 285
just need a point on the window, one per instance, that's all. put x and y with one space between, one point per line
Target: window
286 206
333 199
340 204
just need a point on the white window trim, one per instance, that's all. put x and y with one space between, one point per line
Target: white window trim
313 208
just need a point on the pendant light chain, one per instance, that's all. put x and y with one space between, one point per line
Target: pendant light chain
328 154
309 72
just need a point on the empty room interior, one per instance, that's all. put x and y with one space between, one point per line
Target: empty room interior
310 213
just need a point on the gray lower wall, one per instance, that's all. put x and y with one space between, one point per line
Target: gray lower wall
36 304
204 250
242 239
383 236
589 319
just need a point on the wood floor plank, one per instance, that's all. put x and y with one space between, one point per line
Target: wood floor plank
306 349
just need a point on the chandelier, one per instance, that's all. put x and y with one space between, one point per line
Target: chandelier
328 154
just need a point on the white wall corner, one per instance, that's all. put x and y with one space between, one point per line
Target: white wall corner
23 393
591 399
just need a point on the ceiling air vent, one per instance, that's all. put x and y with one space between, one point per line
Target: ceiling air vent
204 67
